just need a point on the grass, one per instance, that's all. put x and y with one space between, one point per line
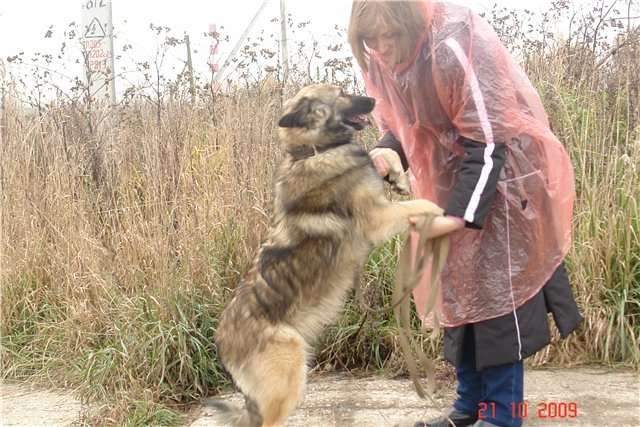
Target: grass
597 118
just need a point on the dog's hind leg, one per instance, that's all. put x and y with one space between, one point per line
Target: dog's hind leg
281 375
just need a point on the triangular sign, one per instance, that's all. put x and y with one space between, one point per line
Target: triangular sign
95 29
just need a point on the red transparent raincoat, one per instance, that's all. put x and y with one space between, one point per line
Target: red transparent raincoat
460 81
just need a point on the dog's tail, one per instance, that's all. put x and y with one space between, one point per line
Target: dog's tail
237 417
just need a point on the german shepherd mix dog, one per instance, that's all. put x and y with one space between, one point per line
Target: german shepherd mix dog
330 209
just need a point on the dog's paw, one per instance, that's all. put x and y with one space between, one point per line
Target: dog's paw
400 184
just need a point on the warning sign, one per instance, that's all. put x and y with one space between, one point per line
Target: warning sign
97 43
95 29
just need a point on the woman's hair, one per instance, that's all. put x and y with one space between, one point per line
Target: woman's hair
406 17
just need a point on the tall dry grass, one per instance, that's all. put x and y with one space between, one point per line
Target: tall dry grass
118 248
121 242
594 107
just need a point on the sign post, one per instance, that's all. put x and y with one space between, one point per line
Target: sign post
97 42
212 61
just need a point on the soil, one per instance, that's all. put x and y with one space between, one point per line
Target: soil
26 405
601 397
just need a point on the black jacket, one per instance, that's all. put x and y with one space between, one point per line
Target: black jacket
506 339
511 337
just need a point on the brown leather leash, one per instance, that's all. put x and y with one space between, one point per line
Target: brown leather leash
408 275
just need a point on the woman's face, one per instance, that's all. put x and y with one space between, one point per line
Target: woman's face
391 44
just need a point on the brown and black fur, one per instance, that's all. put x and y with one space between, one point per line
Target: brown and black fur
330 209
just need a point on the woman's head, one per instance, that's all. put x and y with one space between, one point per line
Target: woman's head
391 28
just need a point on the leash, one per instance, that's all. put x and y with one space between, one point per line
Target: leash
409 272
408 276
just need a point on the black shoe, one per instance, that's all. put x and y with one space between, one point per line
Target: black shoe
460 419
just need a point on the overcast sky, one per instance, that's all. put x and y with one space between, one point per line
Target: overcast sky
23 23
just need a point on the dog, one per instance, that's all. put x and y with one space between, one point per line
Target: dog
330 209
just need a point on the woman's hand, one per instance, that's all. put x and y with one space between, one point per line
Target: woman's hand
383 159
441 225
388 164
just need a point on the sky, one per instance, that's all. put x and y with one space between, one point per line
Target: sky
23 24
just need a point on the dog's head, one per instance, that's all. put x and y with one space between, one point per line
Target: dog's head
323 114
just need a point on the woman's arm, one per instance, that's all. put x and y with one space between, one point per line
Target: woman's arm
441 225
391 163
477 180
389 140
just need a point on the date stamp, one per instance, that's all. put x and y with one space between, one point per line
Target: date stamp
522 410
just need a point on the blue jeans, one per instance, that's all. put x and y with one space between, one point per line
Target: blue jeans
493 393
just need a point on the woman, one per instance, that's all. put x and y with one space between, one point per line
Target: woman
458 112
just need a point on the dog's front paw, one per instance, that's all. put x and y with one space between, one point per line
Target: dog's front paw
400 184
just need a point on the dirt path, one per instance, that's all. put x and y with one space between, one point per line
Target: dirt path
602 397
23 405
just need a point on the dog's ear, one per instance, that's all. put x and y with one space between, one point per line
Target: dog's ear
297 118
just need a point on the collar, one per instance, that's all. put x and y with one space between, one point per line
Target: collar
305 151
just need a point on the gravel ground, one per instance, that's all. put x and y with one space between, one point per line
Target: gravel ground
602 397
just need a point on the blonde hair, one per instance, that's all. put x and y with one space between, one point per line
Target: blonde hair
406 17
